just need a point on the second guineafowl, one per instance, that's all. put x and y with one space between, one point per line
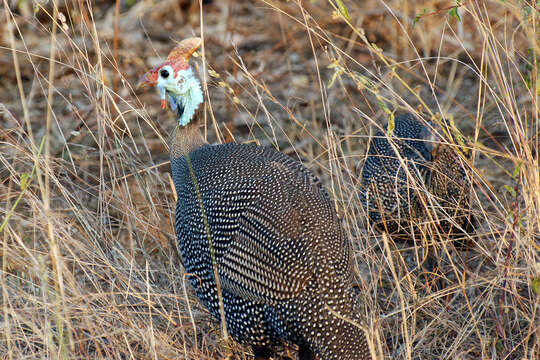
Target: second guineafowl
408 178
258 234
393 173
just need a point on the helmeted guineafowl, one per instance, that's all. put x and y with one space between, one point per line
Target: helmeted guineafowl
409 178
394 172
266 225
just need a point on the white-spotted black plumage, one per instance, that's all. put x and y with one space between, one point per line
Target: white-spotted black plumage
406 175
283 259
395 170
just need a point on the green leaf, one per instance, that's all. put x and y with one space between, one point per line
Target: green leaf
510 190
338 70
333 79
343 9
376 48
535 285
418 17
24 180
499 345
391 125
517 170
454 12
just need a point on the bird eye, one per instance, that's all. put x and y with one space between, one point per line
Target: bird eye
164 73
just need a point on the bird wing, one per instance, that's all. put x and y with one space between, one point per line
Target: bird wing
262 273
270 258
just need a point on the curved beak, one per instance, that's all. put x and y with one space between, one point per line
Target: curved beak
148 79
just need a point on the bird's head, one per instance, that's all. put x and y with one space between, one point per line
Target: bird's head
176 81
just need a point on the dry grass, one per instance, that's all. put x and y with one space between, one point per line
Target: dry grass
89 267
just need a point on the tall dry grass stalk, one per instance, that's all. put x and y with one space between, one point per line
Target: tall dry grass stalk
89 267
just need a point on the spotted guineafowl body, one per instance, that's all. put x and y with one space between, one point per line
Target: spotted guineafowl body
408 179
394 172
283 259
263 223
451 189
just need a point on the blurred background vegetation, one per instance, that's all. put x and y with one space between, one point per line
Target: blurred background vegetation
89 267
